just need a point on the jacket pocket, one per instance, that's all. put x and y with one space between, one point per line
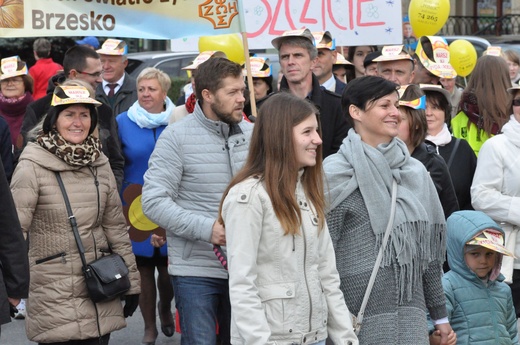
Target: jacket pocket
278 301
52 257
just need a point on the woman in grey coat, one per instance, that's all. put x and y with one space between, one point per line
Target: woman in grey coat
360 178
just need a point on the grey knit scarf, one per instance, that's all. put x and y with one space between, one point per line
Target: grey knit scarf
418 235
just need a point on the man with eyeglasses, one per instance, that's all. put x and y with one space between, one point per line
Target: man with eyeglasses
81 63
118 89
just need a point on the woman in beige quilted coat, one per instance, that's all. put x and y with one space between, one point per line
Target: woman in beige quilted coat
59 310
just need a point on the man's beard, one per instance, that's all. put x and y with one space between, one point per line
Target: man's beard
226 118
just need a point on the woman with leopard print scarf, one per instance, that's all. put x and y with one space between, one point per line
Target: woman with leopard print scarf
59 310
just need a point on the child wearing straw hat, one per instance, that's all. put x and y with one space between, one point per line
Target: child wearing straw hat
479 303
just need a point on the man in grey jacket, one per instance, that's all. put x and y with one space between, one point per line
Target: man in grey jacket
191 166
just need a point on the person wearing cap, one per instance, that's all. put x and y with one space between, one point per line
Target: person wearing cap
59 309
395 65
369 64
81 63
16 88
327 56
146 120
89 41
455 90
479 302
513 62
412 131
357 55
341 67
192 163
496 189
485 105
262 81
44 68
360 180
457 153
297 54
432 60
117 88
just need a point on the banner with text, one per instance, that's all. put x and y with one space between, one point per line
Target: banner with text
351 22
152 19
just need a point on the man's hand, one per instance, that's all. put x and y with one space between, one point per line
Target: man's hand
13 301
218 236
157 241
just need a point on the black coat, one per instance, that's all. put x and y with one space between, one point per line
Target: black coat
461 169
440 176
14 264
340 86
124 98
6 149
334 126
111 146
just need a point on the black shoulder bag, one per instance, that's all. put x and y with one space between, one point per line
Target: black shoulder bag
106 277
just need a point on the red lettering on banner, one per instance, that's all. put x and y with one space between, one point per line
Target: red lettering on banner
272 30
329 3
303 17
266 23
273 20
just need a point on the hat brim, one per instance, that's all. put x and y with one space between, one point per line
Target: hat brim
514 89
278 41
56 101
12 75
399 57
444 92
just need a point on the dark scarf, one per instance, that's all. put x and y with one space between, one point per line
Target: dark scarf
190 103
13 111
469 105
73 154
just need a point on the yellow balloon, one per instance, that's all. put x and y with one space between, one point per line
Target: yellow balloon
463 57
427 17
230 44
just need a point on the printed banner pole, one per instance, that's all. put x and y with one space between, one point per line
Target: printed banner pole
252 99
242 25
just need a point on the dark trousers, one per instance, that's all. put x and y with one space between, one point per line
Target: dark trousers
92 341
515 290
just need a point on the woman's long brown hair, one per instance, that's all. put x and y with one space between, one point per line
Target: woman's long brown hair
272 158
489 82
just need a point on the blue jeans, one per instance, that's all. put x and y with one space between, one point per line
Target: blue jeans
201 302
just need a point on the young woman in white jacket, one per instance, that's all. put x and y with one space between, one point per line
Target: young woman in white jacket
283 282
496 190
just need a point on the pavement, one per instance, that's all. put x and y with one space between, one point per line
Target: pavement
13 333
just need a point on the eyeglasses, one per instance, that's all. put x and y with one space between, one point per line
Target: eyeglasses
95 75
12 80
516 102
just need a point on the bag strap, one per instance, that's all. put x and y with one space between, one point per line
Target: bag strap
452 156
72 220
379 256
